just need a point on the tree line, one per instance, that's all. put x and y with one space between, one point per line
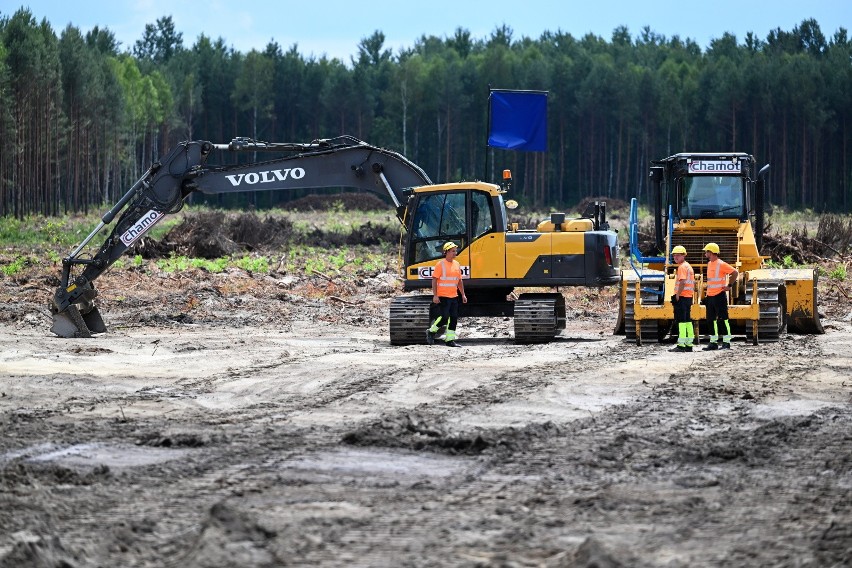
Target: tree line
81 119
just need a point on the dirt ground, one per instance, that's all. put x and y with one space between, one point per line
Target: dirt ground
239 420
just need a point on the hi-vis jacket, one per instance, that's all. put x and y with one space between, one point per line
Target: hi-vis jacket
717 276
685 275
448 275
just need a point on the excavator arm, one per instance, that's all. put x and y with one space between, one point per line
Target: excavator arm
337 162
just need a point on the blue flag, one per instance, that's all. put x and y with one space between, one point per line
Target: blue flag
518 120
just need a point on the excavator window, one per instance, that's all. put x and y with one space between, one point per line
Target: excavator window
481 215
439 217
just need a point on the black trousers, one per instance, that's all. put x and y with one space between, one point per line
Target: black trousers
717 308
448 311
681 310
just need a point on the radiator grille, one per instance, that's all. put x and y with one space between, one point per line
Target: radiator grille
694 244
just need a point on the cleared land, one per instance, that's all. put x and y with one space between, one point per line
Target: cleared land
263 420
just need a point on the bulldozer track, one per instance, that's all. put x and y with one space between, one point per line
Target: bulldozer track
409 319
771 322
539 317
649 329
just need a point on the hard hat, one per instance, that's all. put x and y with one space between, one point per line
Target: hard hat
449 245
679 250
712 247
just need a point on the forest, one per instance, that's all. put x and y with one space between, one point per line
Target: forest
82 118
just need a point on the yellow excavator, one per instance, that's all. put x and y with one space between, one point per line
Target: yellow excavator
496 256
701 198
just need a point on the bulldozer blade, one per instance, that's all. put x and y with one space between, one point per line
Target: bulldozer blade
69 323
800 297
802 310
804 322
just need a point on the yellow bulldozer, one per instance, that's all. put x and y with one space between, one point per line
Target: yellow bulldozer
699 198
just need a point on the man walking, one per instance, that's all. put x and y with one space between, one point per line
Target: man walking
720 279
447 285
682 300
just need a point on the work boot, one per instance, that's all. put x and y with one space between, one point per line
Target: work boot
452 343
726 345
430 337
681 349
711 347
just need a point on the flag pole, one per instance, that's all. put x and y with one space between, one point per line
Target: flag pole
487 133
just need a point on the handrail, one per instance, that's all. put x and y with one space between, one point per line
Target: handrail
635 253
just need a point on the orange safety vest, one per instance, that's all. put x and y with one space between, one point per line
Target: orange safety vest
686 275
448 276
717 276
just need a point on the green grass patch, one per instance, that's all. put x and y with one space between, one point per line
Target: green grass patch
839 273
259 264
17 265
65 231
786 262
180 263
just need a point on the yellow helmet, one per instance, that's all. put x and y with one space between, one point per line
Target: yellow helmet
679 250
712 247
449 245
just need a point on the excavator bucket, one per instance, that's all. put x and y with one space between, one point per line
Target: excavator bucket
71 322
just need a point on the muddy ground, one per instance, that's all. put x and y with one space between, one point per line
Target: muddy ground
246 420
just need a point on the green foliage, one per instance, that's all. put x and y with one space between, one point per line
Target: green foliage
259 264
38 230
327 262
65 231
340 262
786 262
610 101
838 273
180 263
17 265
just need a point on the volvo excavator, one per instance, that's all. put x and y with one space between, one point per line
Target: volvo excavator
699 198
497 257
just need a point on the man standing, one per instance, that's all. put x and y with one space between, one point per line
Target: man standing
682 300
447 284
720 279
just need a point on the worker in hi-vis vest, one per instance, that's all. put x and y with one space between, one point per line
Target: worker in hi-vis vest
720 278
447 285
682 300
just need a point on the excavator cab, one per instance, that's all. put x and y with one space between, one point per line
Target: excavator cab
457 215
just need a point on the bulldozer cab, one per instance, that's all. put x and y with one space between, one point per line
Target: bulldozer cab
705 197
705 187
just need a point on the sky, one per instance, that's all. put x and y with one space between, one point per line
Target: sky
334 28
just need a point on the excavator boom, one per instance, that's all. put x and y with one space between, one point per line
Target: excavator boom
337 162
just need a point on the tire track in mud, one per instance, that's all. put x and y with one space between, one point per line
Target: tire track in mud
691 451
691 486
702 464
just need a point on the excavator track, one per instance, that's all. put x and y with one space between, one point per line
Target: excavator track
538 317
771 323
649 329
409 319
